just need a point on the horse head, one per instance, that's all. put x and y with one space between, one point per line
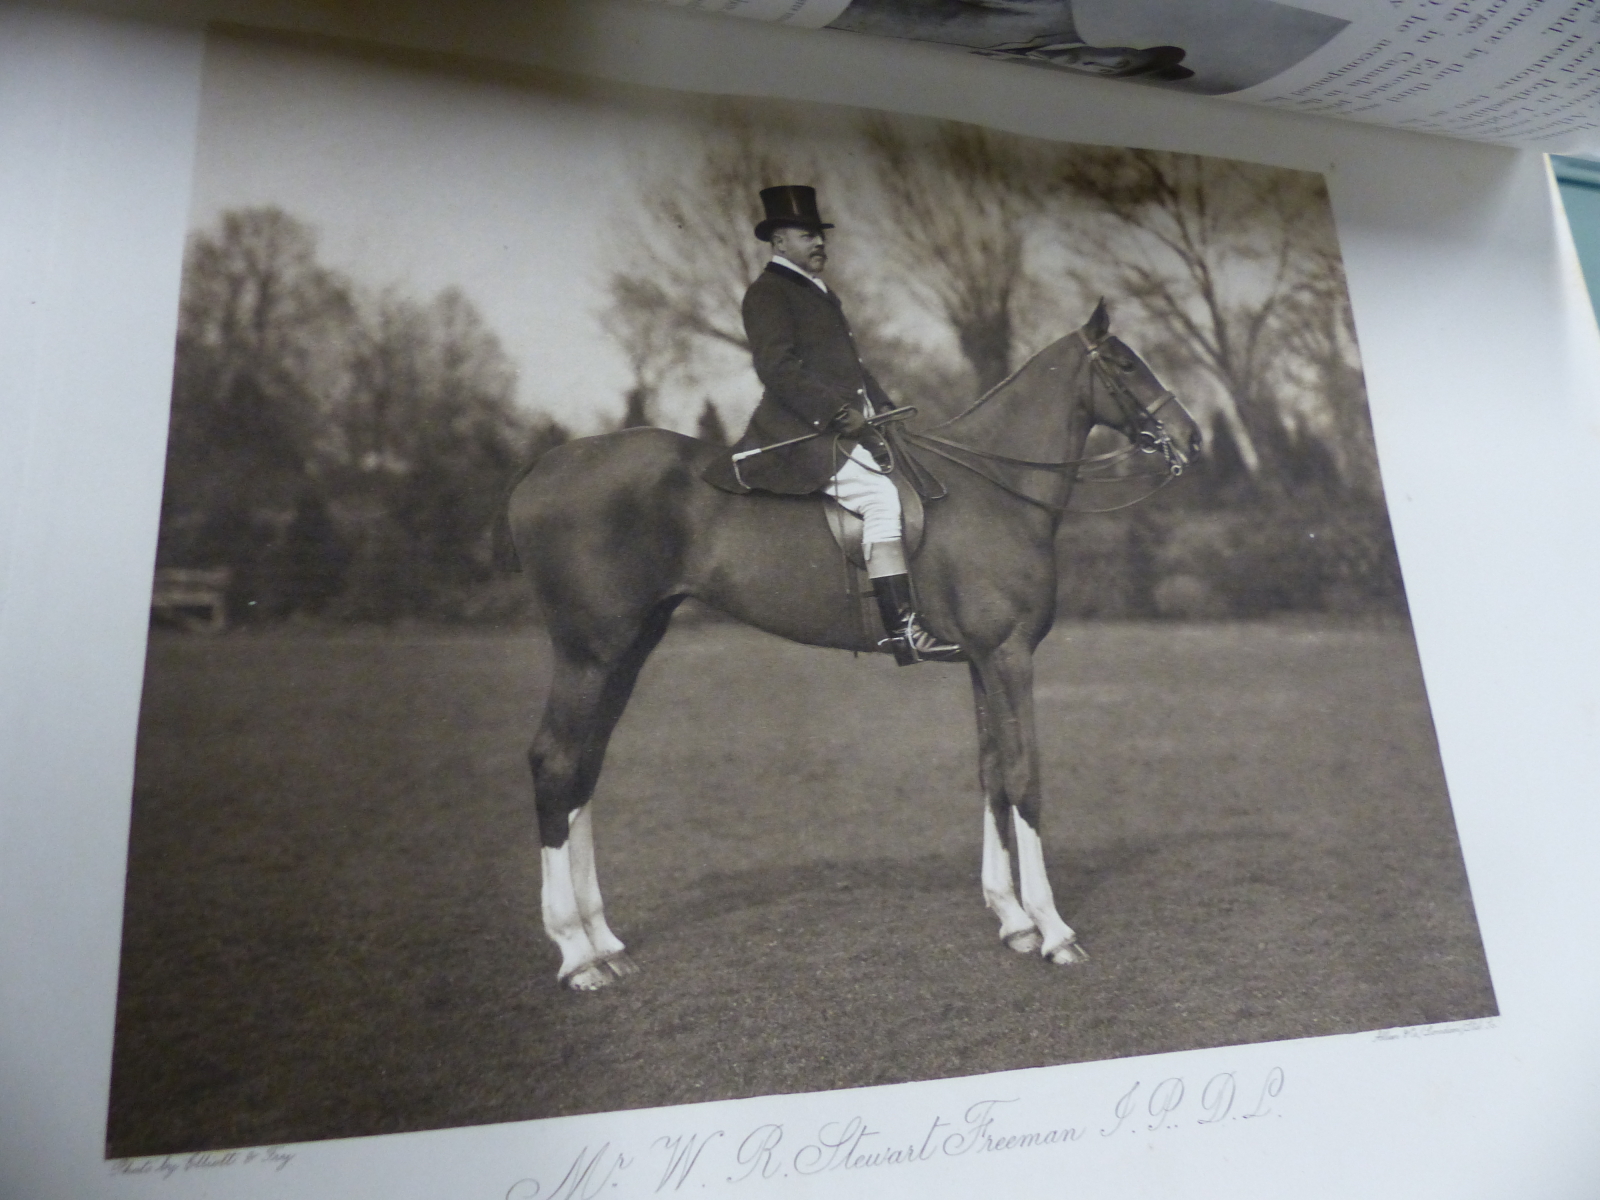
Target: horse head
1037 420
1124 394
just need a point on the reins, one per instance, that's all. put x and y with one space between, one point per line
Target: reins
1151 438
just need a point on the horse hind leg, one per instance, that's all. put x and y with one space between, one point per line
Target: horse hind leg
587 698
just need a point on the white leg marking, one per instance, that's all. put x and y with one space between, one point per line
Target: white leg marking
562 920
1017 929
586 888
1059 940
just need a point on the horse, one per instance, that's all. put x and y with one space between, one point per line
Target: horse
615 531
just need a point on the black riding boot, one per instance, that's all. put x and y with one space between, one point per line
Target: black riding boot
910 642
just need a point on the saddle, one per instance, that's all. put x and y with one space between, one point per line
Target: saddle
846 527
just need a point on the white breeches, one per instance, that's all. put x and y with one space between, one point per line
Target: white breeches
866 491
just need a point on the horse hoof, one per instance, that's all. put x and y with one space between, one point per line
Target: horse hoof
620 965
589 978
1068 953
1024 941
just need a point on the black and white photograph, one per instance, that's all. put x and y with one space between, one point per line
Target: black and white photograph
664 598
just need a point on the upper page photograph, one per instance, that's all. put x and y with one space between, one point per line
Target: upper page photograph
1525 74
1216 47
664 599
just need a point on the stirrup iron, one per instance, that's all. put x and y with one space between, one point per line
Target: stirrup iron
914 644
908 640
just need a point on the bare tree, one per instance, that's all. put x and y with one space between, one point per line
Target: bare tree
1218 256
1321 360
689 254
324 445
255 300
258 361
958 204
428 434
427 380
657 343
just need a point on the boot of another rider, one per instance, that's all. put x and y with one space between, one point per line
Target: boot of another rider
891 584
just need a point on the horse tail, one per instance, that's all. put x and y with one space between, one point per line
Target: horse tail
502 547
502 550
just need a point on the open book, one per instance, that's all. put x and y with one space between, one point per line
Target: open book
294 299
1526 74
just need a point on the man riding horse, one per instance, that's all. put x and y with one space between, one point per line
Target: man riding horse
818 396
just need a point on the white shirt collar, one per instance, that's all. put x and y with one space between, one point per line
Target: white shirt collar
798 270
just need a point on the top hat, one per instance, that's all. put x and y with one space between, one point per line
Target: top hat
790 205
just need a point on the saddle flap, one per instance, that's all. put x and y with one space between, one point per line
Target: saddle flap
846 526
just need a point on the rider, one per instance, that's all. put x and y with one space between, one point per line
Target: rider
815 384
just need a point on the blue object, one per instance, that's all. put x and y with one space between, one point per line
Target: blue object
1580 193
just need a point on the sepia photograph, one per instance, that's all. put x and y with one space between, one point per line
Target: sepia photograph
665 598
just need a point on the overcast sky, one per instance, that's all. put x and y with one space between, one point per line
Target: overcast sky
514 191
423 180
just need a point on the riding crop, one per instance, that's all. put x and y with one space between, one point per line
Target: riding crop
904 412
894 414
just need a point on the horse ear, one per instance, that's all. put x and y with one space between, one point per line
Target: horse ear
1099 322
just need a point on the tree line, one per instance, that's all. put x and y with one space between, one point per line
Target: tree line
344 452
341 452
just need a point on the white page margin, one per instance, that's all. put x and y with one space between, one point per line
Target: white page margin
92 217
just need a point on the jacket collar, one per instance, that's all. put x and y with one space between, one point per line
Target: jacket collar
789 273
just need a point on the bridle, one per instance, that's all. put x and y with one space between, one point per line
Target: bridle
1149 437
1152 436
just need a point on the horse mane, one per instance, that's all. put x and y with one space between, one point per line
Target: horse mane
1003 384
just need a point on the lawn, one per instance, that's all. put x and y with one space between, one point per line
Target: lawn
332 916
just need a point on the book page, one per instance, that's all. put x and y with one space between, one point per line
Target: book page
1213 48
1519 71
1500 70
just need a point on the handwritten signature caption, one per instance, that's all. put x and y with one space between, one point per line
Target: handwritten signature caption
1428 1031
675 1161
165 1166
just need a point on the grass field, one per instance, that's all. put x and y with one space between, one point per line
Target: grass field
332 922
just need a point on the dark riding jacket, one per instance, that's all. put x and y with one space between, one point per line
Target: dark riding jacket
805 357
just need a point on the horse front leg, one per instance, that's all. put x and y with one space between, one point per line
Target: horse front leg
1006 678
1017 928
